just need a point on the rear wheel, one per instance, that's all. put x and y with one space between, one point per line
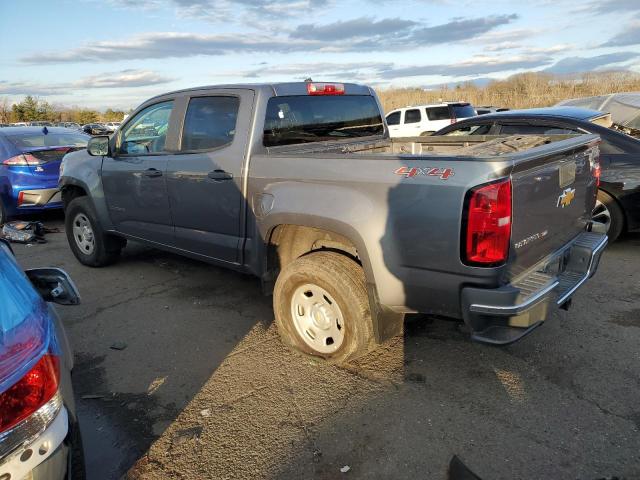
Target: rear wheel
322 308
90 245
608 212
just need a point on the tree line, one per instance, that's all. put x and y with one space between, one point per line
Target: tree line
32 109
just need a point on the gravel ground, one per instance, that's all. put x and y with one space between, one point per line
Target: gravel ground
203 388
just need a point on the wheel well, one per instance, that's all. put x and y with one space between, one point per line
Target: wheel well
69 192
619 205
288 242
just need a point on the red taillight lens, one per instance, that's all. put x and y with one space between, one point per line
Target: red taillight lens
23 160
325 88
596 173
488 231
31 392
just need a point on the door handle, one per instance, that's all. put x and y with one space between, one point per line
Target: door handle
220 175
152 172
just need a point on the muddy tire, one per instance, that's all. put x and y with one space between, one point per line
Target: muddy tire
322 309
608 211
90 245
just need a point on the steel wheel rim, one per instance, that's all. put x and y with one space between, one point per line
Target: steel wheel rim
317 318
601 214
83 234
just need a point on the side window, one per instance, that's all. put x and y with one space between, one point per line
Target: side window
412 116
146 133
438 113
478 129
393 118
210 122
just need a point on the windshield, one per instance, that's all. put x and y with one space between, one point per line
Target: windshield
302 119
39 139
463 111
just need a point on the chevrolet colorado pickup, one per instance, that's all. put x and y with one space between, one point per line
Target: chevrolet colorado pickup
300 185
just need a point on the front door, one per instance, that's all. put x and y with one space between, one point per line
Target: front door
134 179
204 179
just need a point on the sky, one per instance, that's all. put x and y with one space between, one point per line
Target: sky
118 53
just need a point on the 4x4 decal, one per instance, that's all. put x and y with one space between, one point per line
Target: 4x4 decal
410 172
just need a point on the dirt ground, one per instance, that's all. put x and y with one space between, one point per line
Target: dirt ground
199 385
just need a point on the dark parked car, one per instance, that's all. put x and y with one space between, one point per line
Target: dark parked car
39 434
30 166
96 129
618 204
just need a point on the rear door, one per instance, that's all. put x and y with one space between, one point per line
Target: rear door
412 123
134 179
204 179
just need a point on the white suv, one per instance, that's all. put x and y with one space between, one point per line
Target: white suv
426 119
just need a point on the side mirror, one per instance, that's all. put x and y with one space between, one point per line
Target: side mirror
54 285
99 146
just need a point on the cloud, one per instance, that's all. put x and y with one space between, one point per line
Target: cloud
122 79
358 27
604 7
628 36
365 36
165 45
461 29
318 71
588 64
480 65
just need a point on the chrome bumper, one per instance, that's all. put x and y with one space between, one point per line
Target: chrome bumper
506 314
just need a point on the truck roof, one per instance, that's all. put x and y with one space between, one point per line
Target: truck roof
275 89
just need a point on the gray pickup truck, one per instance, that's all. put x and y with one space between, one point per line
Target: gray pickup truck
300 185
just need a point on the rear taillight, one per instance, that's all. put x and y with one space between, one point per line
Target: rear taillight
31 392
487 233
325 88
596 173
25 159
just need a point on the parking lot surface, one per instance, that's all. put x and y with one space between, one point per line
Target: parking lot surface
180 374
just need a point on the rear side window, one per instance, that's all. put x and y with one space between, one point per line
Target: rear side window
33 140
463 111
210 122
302 119
412 116
393 118
535 130
438 113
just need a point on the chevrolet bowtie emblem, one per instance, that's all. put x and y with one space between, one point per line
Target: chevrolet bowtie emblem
566 197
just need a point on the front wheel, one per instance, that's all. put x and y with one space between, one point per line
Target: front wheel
90 245
608 212
322 308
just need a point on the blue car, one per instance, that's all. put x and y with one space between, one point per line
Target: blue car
39 434
30 165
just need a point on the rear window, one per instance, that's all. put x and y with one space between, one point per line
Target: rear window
412 116
463 111
302 119
39 139
438 113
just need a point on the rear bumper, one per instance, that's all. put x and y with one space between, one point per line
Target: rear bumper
44 197
504 315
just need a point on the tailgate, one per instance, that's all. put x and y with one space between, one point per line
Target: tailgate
553 194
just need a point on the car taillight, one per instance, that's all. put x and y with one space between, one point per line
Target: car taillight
325 88
31 392
25 159
596 173
488 224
